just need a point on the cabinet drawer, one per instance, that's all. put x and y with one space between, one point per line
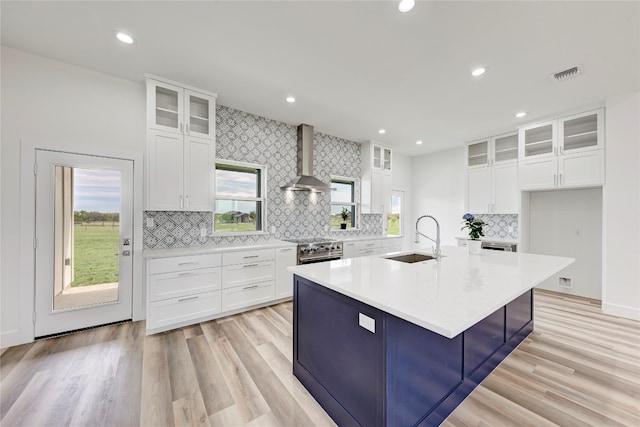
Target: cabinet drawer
177 310
244 257
165 265
367 244
177 284
245 274
245 296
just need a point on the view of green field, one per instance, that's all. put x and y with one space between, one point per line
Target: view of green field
393 224
96 247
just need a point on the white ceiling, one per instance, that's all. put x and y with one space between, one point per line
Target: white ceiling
356 66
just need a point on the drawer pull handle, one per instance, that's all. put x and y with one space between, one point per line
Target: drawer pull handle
249 265
250 256
187 299
286 250
251 287
188 273
189 263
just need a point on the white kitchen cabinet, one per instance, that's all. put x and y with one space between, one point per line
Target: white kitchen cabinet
391 245
348 250
376 181
248 278
564 153
180 147
181 290
492 175
285 257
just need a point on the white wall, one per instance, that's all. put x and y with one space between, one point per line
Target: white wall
50 103
401 181
621 205
569 223
438 190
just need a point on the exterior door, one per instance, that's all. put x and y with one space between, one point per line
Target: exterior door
83 245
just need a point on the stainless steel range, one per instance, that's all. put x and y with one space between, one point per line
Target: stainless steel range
317 250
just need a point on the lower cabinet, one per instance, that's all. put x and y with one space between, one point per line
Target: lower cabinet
246 296
285 257
190 289
175 312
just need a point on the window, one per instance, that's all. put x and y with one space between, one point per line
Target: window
394 218
239 202
343 198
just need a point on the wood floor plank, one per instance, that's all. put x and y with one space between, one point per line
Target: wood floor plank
190 411
208 376
156 408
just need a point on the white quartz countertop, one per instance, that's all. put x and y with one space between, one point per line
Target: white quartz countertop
446 296
201 250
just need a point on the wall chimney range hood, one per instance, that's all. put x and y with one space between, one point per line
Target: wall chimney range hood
305 181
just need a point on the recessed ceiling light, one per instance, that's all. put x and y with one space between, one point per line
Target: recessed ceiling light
419 142
381 131
291 99
124 38
478 71
521 114
406 5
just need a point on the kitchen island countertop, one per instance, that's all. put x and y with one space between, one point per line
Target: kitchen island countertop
447 296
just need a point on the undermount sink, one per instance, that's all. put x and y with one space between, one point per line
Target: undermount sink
411 258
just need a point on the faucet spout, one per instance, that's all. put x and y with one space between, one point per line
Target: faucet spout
436 250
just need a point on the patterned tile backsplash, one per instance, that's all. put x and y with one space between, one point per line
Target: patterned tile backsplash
497 225
248 138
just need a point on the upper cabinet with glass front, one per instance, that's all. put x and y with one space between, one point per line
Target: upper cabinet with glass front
381 158
181 110
571 134
494 150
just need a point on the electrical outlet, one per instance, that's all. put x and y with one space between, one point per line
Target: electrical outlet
367 322
511 229
150 222
564 282
203 232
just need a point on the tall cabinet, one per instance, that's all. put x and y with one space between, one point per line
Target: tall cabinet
563 153
492 175
180 146
375 195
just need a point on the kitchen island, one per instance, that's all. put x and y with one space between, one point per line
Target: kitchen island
379 342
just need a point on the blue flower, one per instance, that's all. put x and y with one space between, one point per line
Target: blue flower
468 217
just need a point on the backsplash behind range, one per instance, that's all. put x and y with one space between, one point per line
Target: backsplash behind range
248 138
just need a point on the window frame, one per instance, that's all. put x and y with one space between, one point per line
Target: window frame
262 186
400 195
355 201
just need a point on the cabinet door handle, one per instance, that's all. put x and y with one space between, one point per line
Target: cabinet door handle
189 263
186 128
555 150
187 299
250 287
186 198
180 127
561 150
250 256
555 178
181 202
249 265
188 273
560 179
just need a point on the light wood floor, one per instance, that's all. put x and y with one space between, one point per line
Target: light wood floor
577 368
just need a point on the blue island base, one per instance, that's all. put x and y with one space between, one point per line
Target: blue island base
398 374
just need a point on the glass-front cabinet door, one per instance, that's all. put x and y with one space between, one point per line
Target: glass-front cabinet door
167 107
377 157
199 115
581 132
537 140
505 148
478 154
386 163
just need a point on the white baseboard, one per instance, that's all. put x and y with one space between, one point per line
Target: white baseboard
621 311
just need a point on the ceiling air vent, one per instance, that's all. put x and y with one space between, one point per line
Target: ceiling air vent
566 74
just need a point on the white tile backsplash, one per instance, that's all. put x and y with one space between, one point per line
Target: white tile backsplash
503 226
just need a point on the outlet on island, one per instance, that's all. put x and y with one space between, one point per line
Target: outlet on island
203 232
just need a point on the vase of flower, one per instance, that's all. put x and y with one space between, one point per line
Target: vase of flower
474 225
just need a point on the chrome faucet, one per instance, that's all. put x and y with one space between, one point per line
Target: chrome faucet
436 250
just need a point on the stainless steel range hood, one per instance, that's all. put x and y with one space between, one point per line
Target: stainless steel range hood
305 181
